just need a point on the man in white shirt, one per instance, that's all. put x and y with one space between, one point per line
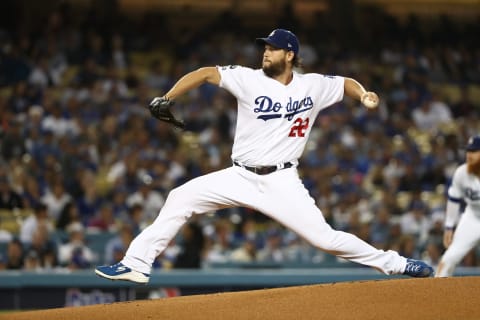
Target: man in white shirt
39 217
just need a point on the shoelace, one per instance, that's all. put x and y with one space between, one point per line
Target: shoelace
413 267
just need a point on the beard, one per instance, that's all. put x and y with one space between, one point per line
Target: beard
473 163
473 168
275 68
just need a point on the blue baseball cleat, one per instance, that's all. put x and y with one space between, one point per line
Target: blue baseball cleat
119 271
418 269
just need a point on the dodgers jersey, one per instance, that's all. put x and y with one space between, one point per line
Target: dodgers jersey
274 120
465 186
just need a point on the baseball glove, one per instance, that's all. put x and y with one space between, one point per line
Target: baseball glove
160 109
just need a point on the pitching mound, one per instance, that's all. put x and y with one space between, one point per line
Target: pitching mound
432 298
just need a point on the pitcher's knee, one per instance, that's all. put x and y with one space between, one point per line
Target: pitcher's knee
182 194
174 195
177 200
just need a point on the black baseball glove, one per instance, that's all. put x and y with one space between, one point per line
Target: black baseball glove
160 109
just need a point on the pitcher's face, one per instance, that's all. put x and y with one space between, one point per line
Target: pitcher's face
274 61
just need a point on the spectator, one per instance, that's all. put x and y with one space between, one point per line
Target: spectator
433 253
5 235
380 228
219 242
406 244
116 247
49 260
430 115
298 251
124 171
157 77
90 202
273 249
167 258
75 254
43 246
247 252
249 232
15 252
119 56
416 222
68 216
104 220
151 200
465 106
117 198
57 62
9 199
34 117
190 256
35 221
13 143
20 99
32 192
135 218
113 85
40 76
32 261
411 178
58 124
55 198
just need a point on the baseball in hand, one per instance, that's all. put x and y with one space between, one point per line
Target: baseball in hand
370 99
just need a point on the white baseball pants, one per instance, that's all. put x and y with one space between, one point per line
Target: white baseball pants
465 238
280 195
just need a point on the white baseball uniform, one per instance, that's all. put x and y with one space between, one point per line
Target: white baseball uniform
465 186
273 124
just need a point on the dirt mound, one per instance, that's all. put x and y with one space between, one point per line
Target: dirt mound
432 298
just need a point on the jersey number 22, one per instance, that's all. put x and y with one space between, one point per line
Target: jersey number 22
299 127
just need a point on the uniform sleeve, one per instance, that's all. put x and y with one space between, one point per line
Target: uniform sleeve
232 78
332 89
455 195
455 191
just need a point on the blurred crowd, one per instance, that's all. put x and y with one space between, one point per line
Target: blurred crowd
81 157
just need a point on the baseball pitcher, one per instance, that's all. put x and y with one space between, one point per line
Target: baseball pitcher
277 108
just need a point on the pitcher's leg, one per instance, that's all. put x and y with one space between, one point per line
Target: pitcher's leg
465 238
143 250
292 206
341 244
221 189
350 247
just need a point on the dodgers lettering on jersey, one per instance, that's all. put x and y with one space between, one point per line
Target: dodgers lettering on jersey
274 120
465 186
266 105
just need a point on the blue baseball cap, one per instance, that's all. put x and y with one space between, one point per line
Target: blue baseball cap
282 39
473 143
